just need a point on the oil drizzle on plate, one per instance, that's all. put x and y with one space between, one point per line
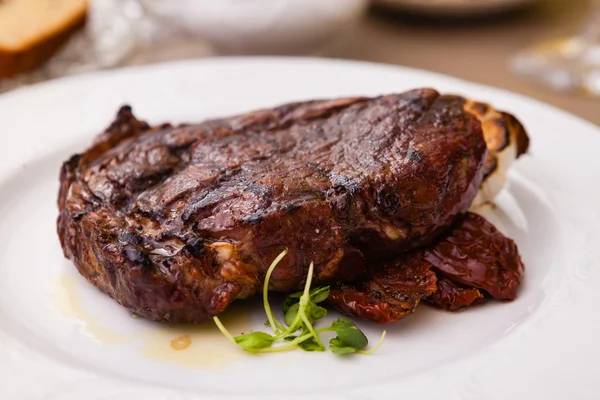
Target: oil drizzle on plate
68 304
207 347
181 343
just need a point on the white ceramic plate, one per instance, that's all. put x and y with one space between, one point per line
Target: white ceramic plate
454 7
60 338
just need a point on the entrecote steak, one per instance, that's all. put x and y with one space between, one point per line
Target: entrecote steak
175 222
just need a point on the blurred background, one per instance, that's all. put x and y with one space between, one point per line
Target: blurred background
546 49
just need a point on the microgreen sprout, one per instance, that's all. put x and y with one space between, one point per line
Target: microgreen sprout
301 310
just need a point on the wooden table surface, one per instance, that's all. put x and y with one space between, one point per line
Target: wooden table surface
479 51
476 50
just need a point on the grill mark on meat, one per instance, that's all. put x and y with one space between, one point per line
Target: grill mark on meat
131 238
330 180
318 169
194 247
78 216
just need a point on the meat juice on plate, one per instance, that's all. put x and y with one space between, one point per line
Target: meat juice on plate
189 346
66 302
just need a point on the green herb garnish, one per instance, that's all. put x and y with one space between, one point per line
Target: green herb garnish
301 310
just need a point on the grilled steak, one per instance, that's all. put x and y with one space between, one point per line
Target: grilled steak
175 222
452 273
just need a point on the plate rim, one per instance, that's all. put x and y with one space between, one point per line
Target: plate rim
107 73
31 90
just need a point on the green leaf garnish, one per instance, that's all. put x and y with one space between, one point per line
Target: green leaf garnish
222 329
305 303
310 345
317 295
315 312
301 309
276 326
291 314
288 302
296 295
337 347
374 349
348 334
255 340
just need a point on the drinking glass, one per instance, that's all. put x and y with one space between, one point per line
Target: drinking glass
571 63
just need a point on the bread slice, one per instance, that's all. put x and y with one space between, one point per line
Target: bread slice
31 31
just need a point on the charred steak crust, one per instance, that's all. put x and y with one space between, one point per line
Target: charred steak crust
177 222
